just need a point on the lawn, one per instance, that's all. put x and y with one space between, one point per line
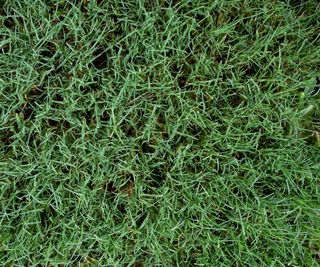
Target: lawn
160 133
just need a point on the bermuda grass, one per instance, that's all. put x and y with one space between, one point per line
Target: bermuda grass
159 133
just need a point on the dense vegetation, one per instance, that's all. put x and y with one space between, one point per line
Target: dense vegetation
159 133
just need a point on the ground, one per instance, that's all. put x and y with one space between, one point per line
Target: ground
159 133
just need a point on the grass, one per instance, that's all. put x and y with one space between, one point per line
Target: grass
159 133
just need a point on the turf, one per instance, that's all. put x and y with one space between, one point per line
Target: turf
159 133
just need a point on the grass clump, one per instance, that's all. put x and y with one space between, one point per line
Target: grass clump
159 133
